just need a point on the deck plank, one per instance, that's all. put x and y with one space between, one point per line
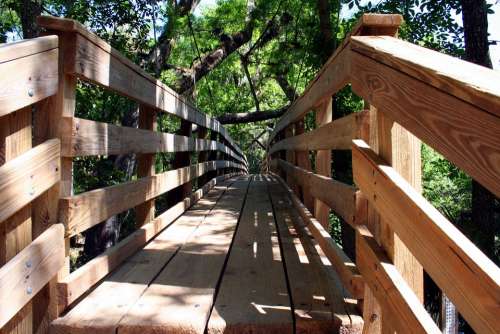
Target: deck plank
103 308
320 304
180 298
253 296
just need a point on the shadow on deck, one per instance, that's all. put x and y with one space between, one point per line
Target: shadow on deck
239 261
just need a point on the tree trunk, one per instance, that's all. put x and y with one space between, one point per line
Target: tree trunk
30 10
106 234
475 21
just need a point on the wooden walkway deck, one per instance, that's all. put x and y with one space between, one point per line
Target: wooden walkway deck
239 261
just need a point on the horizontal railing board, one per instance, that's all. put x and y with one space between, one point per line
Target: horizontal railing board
26 177
478 85
336 135
29 271
399 303
97 61
464 134
343 265
82 137
80 212
459 268
27 47
28 79
340 197
73 286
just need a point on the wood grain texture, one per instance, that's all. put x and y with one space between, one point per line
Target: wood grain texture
478 85
145 212
81 280
303 161
316 290
102 310
82 137
181 297
25 274
336 135
16 231
324 116
464 134
339 196
27 47
25 177
27 80
437 244
406 312
97 61
83 211
345 267
253 296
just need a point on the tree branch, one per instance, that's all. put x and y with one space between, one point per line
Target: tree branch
244 64
249 117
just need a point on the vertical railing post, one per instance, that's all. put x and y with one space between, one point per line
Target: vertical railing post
323 161
146 165
290 157
182 159
203 156
304 162
15 232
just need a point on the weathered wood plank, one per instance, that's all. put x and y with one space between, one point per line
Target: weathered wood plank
316 291
345 267
27 79
336 135
253 296
184 290
437 244
304 162
464 134
145 212
83 211
25 177
27 47
338 196
102 310
82 137
25 274
81 280
16 231
324 160
475 84
399 302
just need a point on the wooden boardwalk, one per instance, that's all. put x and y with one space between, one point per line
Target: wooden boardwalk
239 261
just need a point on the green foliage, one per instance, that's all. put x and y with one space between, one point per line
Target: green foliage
445 186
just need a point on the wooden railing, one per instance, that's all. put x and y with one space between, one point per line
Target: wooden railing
410 93
39 79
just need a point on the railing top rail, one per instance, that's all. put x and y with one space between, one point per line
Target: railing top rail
182 108
467 81
27 47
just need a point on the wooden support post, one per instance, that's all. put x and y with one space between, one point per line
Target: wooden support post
303 161
203 156
323 162
212 155
48 123
290 157
182 159
146 165
15 232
